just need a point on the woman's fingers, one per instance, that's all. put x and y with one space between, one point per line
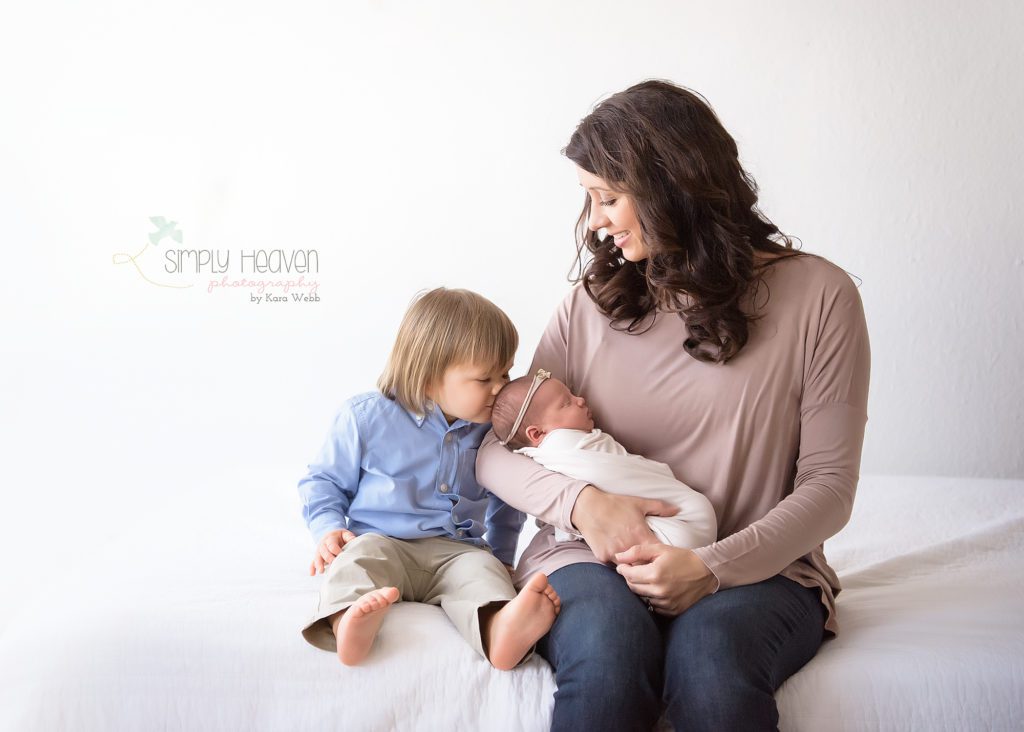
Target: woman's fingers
654 597
663 608
641 574
346 537
611 522
653 507
642 589
640 553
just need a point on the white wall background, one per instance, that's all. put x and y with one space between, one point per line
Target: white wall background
417 144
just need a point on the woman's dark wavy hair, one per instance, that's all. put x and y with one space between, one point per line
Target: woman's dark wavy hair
665 148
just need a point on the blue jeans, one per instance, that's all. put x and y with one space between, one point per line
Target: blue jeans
715 667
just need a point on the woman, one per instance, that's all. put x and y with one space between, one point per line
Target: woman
700 339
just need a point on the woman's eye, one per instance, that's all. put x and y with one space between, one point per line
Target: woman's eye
609 202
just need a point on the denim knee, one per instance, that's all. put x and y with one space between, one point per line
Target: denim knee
728 653
606 651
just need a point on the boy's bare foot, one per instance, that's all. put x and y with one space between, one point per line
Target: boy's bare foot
512 630
356 627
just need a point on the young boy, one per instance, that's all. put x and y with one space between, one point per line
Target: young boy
392 499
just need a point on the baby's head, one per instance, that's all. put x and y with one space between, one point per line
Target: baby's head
552 407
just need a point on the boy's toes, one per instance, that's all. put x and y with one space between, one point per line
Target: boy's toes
374 601
383 597
538 583
390 594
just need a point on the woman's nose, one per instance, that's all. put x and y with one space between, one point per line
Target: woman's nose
597 219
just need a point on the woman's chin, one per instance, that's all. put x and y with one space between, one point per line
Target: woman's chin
634 254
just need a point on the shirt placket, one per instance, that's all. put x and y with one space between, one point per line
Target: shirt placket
447 476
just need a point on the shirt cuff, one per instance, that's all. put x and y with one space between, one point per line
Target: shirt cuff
703 554
504 556
324 522
504 548
570 503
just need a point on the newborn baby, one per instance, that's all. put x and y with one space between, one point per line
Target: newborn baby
539 417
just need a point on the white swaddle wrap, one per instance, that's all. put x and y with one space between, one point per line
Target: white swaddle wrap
598 459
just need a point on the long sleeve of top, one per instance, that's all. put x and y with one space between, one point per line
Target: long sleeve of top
383 469
772 438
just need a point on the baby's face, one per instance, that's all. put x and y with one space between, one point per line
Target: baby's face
558 408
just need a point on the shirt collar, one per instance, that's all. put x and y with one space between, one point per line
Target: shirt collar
434 413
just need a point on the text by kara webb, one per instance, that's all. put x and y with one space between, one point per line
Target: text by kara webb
247 262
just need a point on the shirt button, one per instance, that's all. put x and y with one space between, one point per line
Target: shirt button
444 487
448 437
460 532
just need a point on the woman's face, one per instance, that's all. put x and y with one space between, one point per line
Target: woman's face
613 211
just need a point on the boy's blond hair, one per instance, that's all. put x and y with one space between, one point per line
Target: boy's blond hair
444 328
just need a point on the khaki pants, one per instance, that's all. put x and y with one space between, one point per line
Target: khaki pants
459 577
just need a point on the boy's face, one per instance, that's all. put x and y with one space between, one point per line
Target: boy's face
467 392
557 408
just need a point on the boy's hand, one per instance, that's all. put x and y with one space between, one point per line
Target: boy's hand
330 546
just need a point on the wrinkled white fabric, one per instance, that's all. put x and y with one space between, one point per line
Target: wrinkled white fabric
597 458
192 635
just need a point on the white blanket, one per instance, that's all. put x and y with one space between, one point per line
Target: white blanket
599 459
197 634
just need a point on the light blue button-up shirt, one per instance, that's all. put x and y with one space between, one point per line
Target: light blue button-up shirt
385 470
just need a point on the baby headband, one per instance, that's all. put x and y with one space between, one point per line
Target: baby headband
537 381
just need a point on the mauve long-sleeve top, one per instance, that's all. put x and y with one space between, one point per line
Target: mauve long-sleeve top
772 438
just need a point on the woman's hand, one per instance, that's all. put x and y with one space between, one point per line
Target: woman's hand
330 546
671 579
611 523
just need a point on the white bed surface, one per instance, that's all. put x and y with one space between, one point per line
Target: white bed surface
199 635
931 613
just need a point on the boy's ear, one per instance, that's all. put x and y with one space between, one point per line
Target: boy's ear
534 433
